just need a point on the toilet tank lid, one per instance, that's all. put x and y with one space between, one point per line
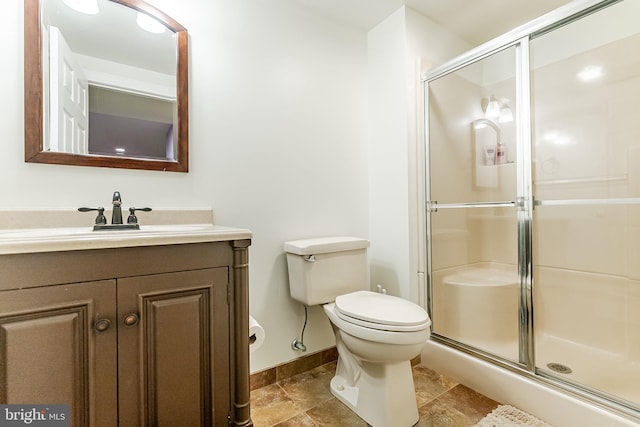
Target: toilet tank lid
325 245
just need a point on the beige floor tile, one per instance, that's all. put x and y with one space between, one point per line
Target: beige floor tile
300 420
305 400
331 367
334 413
437 414
468 402
429 384
271 405
309 389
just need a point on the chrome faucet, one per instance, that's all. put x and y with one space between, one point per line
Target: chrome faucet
116 216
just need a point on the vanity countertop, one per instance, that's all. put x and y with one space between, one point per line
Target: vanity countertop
64 238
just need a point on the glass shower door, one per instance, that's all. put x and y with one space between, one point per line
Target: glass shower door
472 218
586 223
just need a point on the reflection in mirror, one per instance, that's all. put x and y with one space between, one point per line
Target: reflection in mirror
105 85
130 124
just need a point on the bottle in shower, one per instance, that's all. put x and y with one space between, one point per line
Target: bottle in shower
501 154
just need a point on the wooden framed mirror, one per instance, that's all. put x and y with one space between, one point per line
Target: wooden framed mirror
127 87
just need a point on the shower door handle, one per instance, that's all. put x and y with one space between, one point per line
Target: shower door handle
435 206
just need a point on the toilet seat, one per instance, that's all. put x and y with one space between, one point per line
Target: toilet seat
382 312
375 335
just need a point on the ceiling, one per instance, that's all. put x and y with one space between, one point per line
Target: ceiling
475 21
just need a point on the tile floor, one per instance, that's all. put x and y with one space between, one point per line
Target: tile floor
305 400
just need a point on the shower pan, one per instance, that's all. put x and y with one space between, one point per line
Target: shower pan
533 202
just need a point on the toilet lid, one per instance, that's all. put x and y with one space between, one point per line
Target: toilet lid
380 311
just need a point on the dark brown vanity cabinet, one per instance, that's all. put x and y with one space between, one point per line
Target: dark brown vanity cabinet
51 353
157 344
169 340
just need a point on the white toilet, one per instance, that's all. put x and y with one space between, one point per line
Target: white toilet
377 335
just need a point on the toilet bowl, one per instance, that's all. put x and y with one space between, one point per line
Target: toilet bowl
377 335
376 345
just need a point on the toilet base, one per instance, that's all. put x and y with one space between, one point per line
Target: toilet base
383 395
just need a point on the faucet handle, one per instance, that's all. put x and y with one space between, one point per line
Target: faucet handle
133 219
100 219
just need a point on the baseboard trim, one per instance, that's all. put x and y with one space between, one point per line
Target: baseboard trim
294 367
297 366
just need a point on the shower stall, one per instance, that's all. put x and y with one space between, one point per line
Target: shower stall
533 202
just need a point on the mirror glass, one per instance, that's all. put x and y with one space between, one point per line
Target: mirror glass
105 85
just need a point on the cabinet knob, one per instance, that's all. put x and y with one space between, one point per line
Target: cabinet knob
130 319
102 325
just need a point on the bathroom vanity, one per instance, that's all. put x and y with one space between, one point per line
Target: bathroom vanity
129 328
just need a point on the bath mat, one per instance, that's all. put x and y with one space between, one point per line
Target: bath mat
508 416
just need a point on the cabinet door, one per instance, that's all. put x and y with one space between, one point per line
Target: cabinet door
58 346
173 349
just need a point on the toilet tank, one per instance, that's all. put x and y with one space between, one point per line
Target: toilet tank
320 269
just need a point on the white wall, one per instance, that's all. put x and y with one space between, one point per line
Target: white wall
277 143
388 142
399 49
